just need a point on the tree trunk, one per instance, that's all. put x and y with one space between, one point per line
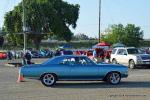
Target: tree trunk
37 41
1 41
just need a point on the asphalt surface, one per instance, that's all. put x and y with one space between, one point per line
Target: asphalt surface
135 87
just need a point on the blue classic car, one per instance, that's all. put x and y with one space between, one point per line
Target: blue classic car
70 67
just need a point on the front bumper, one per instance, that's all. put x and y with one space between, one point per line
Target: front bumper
143 63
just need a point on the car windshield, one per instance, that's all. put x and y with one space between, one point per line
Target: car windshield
133 51
141 51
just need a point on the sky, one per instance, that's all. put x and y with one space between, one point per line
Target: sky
112 12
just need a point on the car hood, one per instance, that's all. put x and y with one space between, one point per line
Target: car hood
141 55
145 56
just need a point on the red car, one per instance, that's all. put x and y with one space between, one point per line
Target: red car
3 55
79 52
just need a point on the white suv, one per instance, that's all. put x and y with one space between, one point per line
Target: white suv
129 56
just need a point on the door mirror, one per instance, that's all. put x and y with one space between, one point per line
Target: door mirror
125 54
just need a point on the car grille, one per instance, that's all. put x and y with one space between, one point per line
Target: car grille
146 58
146 62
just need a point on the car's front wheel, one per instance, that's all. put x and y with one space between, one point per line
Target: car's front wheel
48 79
113 78
131 64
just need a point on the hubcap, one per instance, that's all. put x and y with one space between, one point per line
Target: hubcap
114 78
114 62
131 64
48 79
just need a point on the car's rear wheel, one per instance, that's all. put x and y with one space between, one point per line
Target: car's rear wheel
113 78
131 64
114 61
48 79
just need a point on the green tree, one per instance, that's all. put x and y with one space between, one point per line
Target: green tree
42 16
2 33
129 35
1 41
133 35
80 36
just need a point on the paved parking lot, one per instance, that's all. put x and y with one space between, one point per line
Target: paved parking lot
135 87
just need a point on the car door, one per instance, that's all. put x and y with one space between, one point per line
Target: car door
64 69
124 57
119 56
85 70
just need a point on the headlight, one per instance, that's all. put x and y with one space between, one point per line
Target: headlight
138 58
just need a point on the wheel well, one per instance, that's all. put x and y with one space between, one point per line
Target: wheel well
49 73
113 59
130 60
105 78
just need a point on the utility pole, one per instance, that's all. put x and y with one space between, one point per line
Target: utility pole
24 25
99 32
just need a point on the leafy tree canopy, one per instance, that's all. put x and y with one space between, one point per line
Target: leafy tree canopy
129 35
80 36
2 33
43 16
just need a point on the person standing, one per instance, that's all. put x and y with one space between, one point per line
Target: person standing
28 58
101 55
95 55
107 56
9 54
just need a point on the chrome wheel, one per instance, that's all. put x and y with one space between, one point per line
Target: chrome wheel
131 64
48 79
114 78
114 61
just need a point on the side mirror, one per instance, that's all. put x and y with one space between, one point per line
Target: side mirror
125 54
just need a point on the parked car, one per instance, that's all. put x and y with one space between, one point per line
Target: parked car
129 56
63 52
3 54
36 54
79 52
71 67
67 52
46 53
89 53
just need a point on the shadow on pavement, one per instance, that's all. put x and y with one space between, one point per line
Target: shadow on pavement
103 85
143 67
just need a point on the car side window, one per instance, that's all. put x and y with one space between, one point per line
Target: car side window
64 62
75 61
85 61
120 52
68 61
113 51
124 52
